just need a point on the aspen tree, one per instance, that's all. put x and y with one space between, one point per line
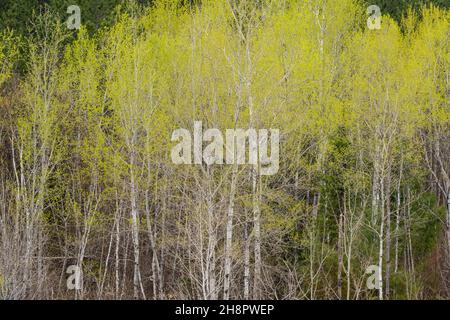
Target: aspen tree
10 260
36 142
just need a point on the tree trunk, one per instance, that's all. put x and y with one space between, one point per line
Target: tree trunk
229 235
381 245
340 250
137 282
397 220
388 231
246 262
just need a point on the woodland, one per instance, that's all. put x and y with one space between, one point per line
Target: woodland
358 209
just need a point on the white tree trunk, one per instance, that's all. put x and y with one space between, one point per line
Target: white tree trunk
229 236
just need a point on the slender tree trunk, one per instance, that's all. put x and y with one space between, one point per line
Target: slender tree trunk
156 270
381 245
388 231
246 262
211 252
375 187
408 234
340 250
137 282
229 235
116 265
312 244
397 220
257 237
448 224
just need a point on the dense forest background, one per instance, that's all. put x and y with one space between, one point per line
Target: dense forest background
15 14
362 195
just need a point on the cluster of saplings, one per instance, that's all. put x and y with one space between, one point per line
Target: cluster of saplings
87 180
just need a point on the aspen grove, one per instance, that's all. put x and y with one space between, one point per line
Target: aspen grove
358 208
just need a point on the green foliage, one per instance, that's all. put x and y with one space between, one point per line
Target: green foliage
89 139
